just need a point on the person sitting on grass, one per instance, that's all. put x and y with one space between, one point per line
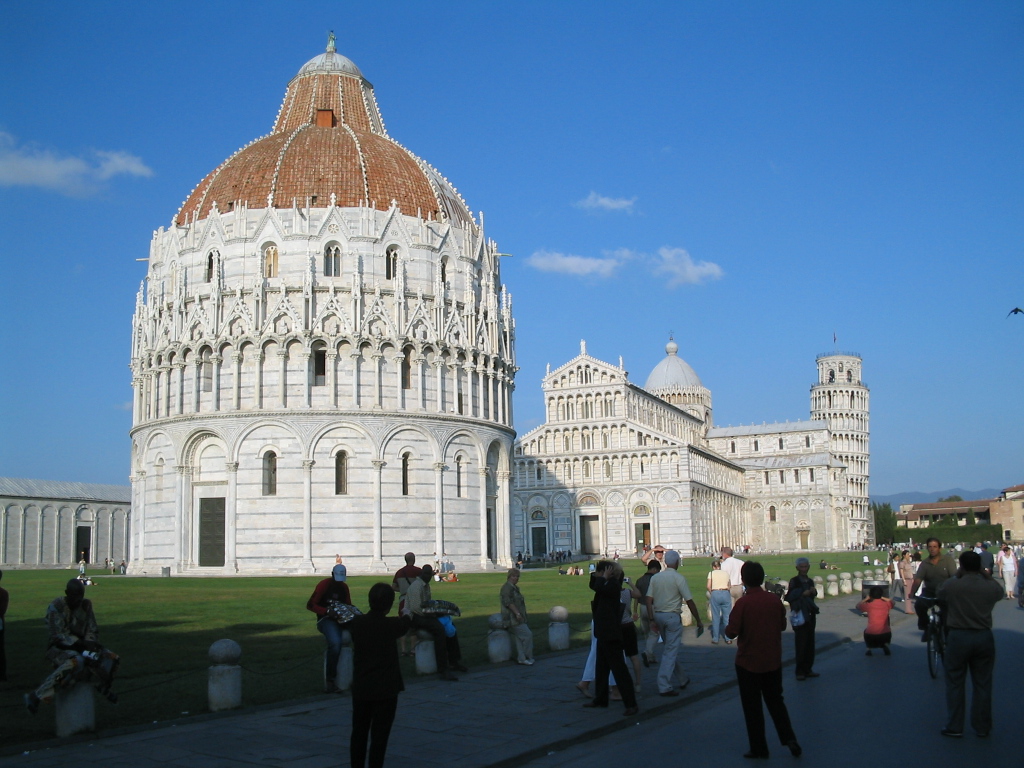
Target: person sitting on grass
74 648
879 632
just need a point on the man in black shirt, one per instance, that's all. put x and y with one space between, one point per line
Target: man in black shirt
376 676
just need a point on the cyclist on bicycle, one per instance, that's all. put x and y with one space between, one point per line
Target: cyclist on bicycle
934 570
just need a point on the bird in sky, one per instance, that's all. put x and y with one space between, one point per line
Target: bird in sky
1015 311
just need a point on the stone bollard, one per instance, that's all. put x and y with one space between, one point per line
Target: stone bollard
224 686
558 629
499 642
343 673
819 586
858 581
75 710
426 662
833 585
845 583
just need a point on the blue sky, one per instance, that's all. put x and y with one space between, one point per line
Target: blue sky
754 177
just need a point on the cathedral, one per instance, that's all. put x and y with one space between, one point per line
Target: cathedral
323 357
617 467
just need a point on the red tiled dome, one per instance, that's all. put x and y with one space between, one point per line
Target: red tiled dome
328 139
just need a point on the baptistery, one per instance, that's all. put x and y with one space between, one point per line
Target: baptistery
323 357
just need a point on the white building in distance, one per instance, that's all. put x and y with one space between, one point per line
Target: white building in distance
322 357
616 466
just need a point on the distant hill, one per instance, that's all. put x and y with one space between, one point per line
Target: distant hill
917 497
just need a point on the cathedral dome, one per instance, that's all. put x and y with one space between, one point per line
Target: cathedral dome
328 145
672 373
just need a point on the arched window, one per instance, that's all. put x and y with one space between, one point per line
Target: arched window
807 441
458 477
781 444
539 469
319 367
831 376
391 262
771 514
269 473
340 473
732 446
566 444
796 475
332 261
607 470
811 471
849 376
209 266
586 469
756 445
405 474
270 261
444 270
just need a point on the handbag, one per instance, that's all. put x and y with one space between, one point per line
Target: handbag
796 618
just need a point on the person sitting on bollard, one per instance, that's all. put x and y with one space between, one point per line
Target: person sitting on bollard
879 632
513 614
376 676
446 648
74 648
327 591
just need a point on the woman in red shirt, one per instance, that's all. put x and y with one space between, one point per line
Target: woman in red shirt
879 632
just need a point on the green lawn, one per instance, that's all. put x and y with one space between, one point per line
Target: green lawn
162 628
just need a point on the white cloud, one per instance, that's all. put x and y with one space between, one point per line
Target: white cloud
674 262
567 264
125 406
26 166
596 202
681 268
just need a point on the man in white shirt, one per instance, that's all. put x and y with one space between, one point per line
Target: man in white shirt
665 597
732 566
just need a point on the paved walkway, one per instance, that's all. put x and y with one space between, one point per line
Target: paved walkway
496 716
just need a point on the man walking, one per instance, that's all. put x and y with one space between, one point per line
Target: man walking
732 566
513 614
969 598
757 621
665 599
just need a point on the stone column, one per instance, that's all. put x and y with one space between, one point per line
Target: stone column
356 356
184 503
502 523
558 628
138 553
258 359
231 518
155 393
307 512
378 517
482 472
400 390
332 377
485 401
454 368
197 384
136 399
180 398
378 384
215 361
282 393
421 383
236 400
307 395
439 468
439 368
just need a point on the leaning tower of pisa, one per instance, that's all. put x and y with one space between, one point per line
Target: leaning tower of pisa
841 398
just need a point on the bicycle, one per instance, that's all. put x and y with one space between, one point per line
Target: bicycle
936 646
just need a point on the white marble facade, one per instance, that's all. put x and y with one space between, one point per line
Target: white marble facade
47 524
322 367
616 466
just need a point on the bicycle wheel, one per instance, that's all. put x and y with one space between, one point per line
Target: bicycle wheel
934 648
